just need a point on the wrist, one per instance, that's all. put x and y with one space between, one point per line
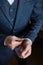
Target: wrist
28 40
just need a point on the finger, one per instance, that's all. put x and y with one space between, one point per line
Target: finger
17 39
10 46
16 43
25 51
24 54
28 54
13 45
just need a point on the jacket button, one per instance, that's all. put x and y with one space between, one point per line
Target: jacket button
11 10
12 19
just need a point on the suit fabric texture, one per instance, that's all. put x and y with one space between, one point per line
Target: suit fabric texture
15 20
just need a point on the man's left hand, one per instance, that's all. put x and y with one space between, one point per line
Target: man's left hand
26 49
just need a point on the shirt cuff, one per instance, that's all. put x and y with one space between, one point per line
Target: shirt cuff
5 43
28 40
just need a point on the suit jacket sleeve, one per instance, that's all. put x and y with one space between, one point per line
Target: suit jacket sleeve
8 51
2 38
37 20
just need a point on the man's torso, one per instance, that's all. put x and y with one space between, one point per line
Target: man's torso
15 18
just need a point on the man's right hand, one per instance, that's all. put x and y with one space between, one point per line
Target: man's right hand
12 42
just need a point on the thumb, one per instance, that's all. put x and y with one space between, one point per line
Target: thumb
18 43
19 39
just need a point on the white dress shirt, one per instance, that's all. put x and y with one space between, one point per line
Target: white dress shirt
10 1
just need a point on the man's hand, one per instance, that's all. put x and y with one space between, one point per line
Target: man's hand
26 49
12 42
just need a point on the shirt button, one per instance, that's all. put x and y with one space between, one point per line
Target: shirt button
12 19
11 10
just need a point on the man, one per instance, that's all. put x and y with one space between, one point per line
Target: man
17 33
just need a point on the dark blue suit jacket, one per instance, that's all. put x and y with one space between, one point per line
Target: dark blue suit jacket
27 10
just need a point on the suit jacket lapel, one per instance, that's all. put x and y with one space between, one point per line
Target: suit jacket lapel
5 11
24 12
